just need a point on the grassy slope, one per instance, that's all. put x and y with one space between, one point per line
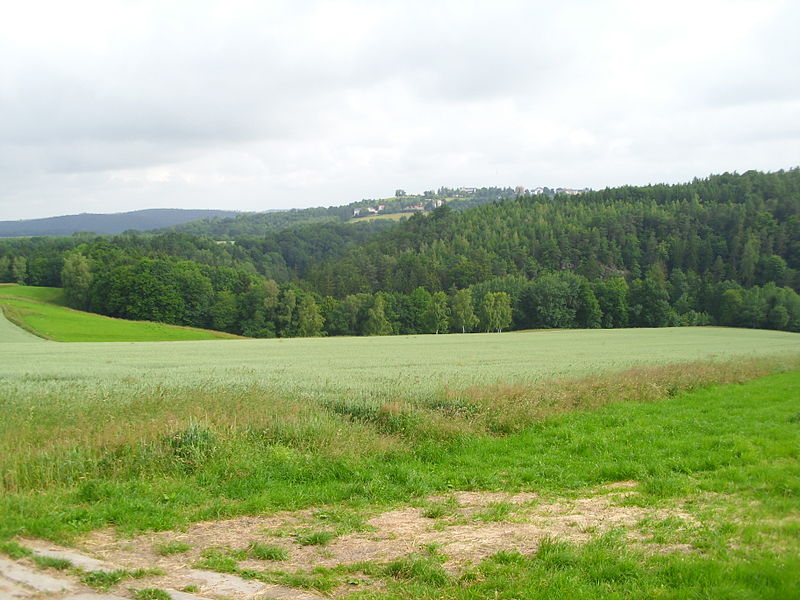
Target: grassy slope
52 295
39 310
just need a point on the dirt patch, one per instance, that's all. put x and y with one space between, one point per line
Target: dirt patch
236 534
474 526
464 527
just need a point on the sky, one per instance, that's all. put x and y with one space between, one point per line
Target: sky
113 106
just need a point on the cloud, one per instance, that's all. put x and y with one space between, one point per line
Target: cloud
254 105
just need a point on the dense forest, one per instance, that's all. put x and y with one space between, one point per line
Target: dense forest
721 250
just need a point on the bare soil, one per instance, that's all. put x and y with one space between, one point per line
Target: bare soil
477 525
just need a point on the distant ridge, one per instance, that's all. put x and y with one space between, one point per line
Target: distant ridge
140 220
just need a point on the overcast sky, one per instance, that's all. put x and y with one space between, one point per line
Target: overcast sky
111 106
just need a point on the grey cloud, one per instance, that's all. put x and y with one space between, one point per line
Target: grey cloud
252 103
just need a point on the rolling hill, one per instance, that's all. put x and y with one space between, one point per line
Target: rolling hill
141 220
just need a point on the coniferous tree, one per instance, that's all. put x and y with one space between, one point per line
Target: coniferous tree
650 300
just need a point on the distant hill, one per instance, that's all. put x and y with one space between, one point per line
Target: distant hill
141 220
394 208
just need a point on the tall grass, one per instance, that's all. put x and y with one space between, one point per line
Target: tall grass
151 435
178 432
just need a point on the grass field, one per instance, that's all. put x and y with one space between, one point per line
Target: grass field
85 398
39 310
717 470
156 436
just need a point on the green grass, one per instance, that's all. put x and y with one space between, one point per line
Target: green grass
14 550
98 415
261 551
170 548
315 538
220 560
728 440
38 310
496 511
151 594
49 562
603 568
416 367
102 580
425 569
51 295
444 508
155 436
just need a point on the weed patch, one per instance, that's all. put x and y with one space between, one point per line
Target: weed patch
14 550
49 562
102 580
315 538
171 548
151 594
267 552
222 561
425 569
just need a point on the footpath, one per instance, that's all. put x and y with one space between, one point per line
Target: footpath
24 579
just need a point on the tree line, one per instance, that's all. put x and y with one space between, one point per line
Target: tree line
722 250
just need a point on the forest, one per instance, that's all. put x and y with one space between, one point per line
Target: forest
723 250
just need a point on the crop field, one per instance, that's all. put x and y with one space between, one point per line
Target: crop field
379 367
39 310
599 463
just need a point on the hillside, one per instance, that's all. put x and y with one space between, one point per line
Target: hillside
139 220
729 226
723 250
393 208
31 313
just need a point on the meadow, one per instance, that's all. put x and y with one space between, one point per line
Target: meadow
155 436
40 310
